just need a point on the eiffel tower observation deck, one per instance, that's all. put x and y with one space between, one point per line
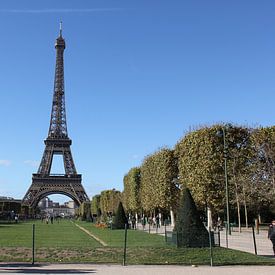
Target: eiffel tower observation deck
57 143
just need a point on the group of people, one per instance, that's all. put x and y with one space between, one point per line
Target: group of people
47 219
153 221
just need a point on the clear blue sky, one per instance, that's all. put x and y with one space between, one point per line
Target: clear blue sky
138 75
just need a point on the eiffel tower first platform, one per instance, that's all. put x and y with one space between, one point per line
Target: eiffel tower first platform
57 143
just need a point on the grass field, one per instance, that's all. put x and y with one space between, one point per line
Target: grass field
115 238
65 242
62 234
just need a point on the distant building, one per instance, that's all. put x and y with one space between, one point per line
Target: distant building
48 207
45 203
70 204
55 204
9 207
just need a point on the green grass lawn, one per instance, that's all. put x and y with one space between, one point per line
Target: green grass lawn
65 242
63 234
115 238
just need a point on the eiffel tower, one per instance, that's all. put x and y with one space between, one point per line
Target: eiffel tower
57 143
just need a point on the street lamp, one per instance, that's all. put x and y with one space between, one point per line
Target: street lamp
225 147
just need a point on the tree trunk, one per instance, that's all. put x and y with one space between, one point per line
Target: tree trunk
172 217
209 219
136 219
160 218
237 196
245 208
239 214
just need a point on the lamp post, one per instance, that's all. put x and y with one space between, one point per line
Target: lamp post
223 133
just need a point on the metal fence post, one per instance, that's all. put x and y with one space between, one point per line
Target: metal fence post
254 240
33 239
125 245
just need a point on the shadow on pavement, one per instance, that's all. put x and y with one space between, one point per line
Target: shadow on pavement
38 268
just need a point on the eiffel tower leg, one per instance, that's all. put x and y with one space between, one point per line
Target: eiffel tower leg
46 162
68 162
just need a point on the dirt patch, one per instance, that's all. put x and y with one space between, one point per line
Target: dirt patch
91 235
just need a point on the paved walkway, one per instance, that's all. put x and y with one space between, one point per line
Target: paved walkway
244 241
133 270
240 241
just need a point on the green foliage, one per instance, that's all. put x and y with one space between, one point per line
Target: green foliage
95 205
200 160
201 163
109 200
131 194
190 229
84 211
120 218
262 172
158 186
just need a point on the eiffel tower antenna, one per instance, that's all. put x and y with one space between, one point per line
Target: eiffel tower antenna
60 29
57 143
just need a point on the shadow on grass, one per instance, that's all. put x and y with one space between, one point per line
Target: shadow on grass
38 268
268 256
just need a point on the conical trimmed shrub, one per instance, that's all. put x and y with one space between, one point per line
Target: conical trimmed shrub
189 230
120 218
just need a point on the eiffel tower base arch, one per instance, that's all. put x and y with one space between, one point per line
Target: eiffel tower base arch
42 186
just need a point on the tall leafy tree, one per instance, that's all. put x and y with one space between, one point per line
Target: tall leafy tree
262 188
200 164
159 189
109 200
95 205
131 192
239 153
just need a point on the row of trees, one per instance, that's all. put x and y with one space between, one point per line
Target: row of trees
197 162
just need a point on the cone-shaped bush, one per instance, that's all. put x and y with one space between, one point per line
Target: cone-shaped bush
189 230
120 218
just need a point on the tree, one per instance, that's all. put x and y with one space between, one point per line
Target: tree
200 164
159 189
84 211
239 154
109 200
189 228
95 205
262 187
120 218
131 192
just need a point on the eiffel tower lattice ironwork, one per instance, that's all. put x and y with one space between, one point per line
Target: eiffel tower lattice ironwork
57 143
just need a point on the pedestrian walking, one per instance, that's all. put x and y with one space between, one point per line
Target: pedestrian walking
134 222
271 234
157 221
